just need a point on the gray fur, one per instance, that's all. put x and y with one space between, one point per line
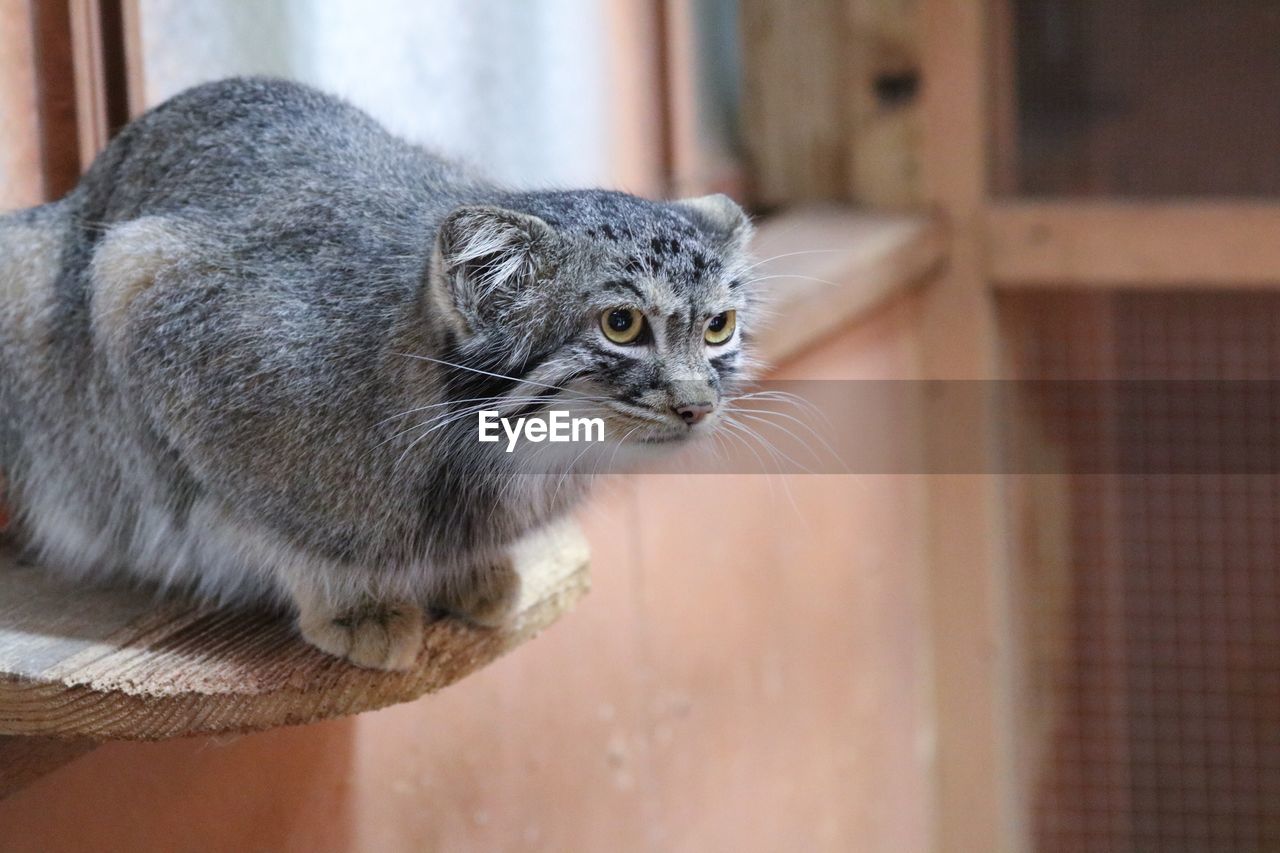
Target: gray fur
207 350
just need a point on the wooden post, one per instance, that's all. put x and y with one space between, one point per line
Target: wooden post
81 83
56 104
979 789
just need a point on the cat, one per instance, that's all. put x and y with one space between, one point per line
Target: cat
243 357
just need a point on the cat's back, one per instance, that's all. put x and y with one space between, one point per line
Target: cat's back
222 148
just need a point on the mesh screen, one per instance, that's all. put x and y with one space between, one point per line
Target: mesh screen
1145 97
1153 625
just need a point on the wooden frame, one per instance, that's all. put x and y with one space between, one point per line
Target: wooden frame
82 76
1133 244
988 733
980 791
832 52
57 107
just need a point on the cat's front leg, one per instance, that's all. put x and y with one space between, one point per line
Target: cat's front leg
486 595
369 632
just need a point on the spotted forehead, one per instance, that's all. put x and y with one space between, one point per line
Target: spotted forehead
640 238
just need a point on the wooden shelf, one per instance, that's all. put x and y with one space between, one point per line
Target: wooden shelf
118 664
831 265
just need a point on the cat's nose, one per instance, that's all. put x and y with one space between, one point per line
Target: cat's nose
691 413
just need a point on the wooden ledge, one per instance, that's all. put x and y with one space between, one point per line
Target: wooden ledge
831 265
117 664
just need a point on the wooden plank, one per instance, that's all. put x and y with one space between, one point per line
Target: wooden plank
134 78
885 117
56 106
25 759
116 663
825 267
831 101
981 789
1133 244
89 65
794 59
81 83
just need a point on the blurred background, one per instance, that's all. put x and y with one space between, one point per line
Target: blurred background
1082 658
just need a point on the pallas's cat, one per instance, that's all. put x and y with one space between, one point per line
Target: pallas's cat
244 357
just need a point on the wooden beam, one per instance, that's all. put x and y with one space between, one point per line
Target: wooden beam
699 153
56 104
132 52
90 78
81 79
664 67
981 790
634 69
1134 244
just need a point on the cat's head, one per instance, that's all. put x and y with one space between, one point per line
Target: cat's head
640 310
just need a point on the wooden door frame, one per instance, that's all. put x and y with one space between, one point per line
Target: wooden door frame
999 242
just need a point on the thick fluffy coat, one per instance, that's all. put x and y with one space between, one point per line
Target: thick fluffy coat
214 353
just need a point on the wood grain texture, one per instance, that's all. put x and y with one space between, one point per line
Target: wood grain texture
116 663
824 267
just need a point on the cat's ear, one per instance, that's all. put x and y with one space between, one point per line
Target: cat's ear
721 217
485 257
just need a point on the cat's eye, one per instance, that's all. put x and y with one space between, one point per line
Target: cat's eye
720 328
622 325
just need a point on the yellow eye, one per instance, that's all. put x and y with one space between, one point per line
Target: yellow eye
721 327
622 325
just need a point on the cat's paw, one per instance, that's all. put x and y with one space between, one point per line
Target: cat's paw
489 598
374 635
